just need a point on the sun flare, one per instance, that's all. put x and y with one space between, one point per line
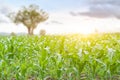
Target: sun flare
86 31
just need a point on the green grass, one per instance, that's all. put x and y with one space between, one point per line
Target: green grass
60 57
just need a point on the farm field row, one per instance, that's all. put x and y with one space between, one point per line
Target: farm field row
60 57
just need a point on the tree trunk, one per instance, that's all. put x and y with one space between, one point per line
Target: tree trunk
29 31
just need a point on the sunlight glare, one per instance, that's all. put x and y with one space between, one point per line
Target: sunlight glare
86 31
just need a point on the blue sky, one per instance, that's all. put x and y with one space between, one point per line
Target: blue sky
50 5
93 8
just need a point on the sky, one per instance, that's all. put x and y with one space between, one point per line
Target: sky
66 16
50 5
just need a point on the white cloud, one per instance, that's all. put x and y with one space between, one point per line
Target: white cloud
4 19
5 10
78 24
103 8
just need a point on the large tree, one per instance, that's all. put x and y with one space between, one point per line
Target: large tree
29 16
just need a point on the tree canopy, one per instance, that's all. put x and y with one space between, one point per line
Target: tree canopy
29 16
